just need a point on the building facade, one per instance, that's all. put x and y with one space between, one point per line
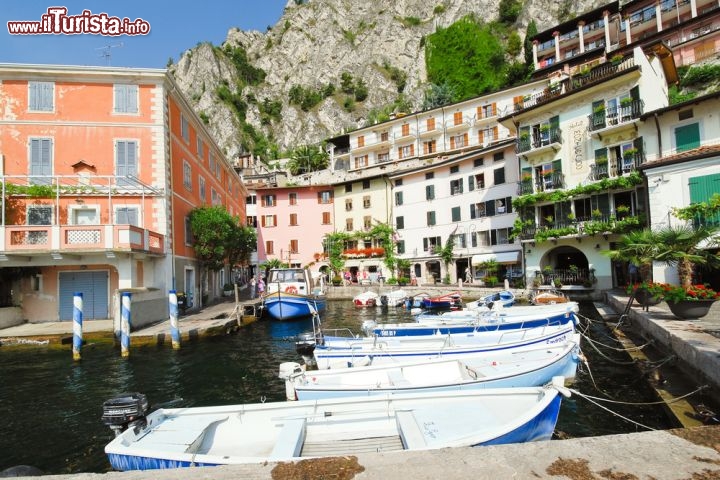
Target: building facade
100 170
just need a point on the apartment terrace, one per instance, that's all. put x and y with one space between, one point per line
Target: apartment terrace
62 215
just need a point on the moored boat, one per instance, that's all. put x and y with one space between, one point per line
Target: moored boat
393 298
517 368
291 294
288 431
504 298
448 300
548 297
366 299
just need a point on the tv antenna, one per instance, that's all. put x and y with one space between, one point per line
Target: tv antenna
106 51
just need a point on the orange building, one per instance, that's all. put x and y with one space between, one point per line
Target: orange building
100 168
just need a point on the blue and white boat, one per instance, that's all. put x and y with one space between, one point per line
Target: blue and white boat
291 431
515 368
334 352
505 298
290 294
475 321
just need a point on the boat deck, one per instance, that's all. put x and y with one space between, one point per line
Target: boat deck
351 446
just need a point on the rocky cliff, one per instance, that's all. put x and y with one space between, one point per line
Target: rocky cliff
269 92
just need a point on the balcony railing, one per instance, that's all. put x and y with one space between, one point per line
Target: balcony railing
539 140
617 167
617 116
81 238
550 182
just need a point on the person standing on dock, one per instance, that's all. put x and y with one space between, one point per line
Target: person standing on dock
252 287
260 287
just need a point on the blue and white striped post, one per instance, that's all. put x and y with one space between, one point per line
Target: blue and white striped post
125 324
77 324
174 330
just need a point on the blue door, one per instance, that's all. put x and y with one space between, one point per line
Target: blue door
94 287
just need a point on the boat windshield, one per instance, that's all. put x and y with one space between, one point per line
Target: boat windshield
283 276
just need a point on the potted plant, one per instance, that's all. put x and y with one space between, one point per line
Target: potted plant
336 281
690 302
616 59
228 289
596 214
557 283
647 293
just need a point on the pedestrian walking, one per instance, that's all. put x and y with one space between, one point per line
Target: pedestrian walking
253 284
260 287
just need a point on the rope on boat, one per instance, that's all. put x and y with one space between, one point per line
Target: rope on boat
619 349
616 362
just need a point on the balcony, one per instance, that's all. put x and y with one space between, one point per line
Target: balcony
525 187
553 181
540 142
603 122
616 167
80 239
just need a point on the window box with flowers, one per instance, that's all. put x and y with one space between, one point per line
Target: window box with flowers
690 303
648 293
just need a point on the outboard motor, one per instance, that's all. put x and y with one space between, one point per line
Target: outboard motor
125 411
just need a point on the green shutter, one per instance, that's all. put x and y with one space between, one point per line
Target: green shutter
702 189
554 122
557 166
598 114
687 137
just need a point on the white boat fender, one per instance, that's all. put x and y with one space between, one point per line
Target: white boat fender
558 383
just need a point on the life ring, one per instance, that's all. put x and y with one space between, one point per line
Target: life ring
291 289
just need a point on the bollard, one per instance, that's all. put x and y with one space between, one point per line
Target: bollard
125 324
77 324
174 330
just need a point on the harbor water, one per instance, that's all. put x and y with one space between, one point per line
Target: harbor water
51 406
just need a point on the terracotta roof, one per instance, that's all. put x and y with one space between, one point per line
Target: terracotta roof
688 155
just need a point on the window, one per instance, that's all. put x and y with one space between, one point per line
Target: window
201 184
501 236
431 244
429 175
483 238
39 215
292 198
251 221
325 197
269 247
251 200
383 157
366 201
429 147
211 163
399 222
294 248
398 198
215 198
458 141
459 240
187 175
406 152
499 156
326 218
430 218
348 225
348 187
454 169
487 134
127 216
398 182
268 200
126 161
429 192
126 98
200 148
499 176
405 129
361 141
367 222
455 214
456 187
457 118
40 160
361 161
293 219
184 128
348 204
41 96
189 239
487 111
687 137
366 184
269 221
430 124
478 162
400 246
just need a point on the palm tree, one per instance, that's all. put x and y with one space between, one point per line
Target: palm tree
446 254
307 158
639 247
685 247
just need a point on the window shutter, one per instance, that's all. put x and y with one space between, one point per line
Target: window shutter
554 122
481 136
638 144
598 116
465 138
635 93
400 155
34 93
557 166
319 197
490 208
471 183
687 137
494 109
262 220
493 237
425 244
495 133
452 143
508 205
472 211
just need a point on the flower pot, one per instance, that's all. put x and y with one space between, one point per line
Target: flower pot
690 309
645 298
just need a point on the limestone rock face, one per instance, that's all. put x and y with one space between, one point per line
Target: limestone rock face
312 45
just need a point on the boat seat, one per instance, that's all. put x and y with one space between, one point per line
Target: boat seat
410 432
290 439
397 379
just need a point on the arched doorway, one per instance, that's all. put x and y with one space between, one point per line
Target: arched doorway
567 264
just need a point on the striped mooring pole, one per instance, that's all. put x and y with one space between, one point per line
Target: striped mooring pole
174 330
77 324
125 324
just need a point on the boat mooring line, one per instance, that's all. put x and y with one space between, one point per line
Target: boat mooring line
618 349
643 404
616 362
592 400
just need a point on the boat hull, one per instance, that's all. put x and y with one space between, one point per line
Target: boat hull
289 306
290 431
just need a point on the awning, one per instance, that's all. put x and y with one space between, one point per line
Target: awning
500 257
